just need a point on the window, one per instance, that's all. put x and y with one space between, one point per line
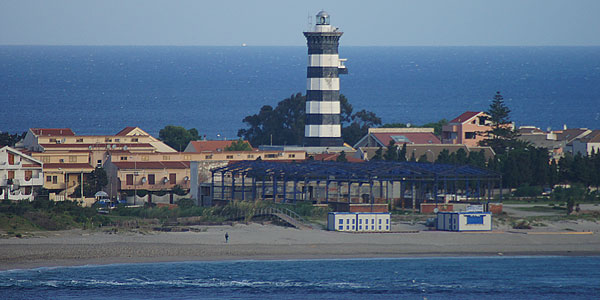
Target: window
372 221
352 227
341 227
123 157
117 140
208 157
61 160
387 221
72 159
347 227
172 178
250 156
129 179
134 140
379 221
79 140
107 140
291 155
359 221
379 227
387 227
359 227
48 178
270 155
229 157
52 140
341 221
372 227
28 175
54 179
366 221
475 219
46 159
151 179
145 158
166 157
470 135
187 157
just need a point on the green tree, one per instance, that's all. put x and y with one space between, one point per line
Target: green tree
476 158
239 145
378 154
178 137
391 154
93 183
443 157
284 124
7 139
501 136
423 158
341 157
402 154
359 127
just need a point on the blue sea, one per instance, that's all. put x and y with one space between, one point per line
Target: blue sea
100 90
545 278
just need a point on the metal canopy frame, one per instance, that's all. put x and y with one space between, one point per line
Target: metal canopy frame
248 180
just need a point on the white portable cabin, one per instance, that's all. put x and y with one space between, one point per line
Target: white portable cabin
360 222
464 221
341 221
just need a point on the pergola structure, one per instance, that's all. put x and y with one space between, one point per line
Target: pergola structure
374 182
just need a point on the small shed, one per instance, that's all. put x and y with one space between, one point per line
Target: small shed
358 222
464 221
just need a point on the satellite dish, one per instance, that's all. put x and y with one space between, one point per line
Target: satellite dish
125 147
408 125
435 210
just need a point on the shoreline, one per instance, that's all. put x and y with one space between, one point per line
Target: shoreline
60 263
269 242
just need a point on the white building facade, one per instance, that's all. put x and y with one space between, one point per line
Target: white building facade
359 222
20 175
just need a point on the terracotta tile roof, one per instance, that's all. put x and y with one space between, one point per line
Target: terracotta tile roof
465 116
82 166
407 138
96 146
212 146
125 131
52 131
153 165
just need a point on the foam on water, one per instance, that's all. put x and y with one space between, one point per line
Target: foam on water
447 278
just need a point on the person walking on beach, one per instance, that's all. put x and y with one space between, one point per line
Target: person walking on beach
226 237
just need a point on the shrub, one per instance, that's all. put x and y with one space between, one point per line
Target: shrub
186 203
528 191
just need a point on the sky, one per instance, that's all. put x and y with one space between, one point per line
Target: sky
280 22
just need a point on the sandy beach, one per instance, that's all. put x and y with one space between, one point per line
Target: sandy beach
257 241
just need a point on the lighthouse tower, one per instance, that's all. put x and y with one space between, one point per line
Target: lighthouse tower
323 127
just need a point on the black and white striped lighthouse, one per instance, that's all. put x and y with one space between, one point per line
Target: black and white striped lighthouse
322 127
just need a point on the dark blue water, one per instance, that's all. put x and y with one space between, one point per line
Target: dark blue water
100 90
419 278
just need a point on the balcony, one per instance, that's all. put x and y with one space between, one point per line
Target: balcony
33 181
